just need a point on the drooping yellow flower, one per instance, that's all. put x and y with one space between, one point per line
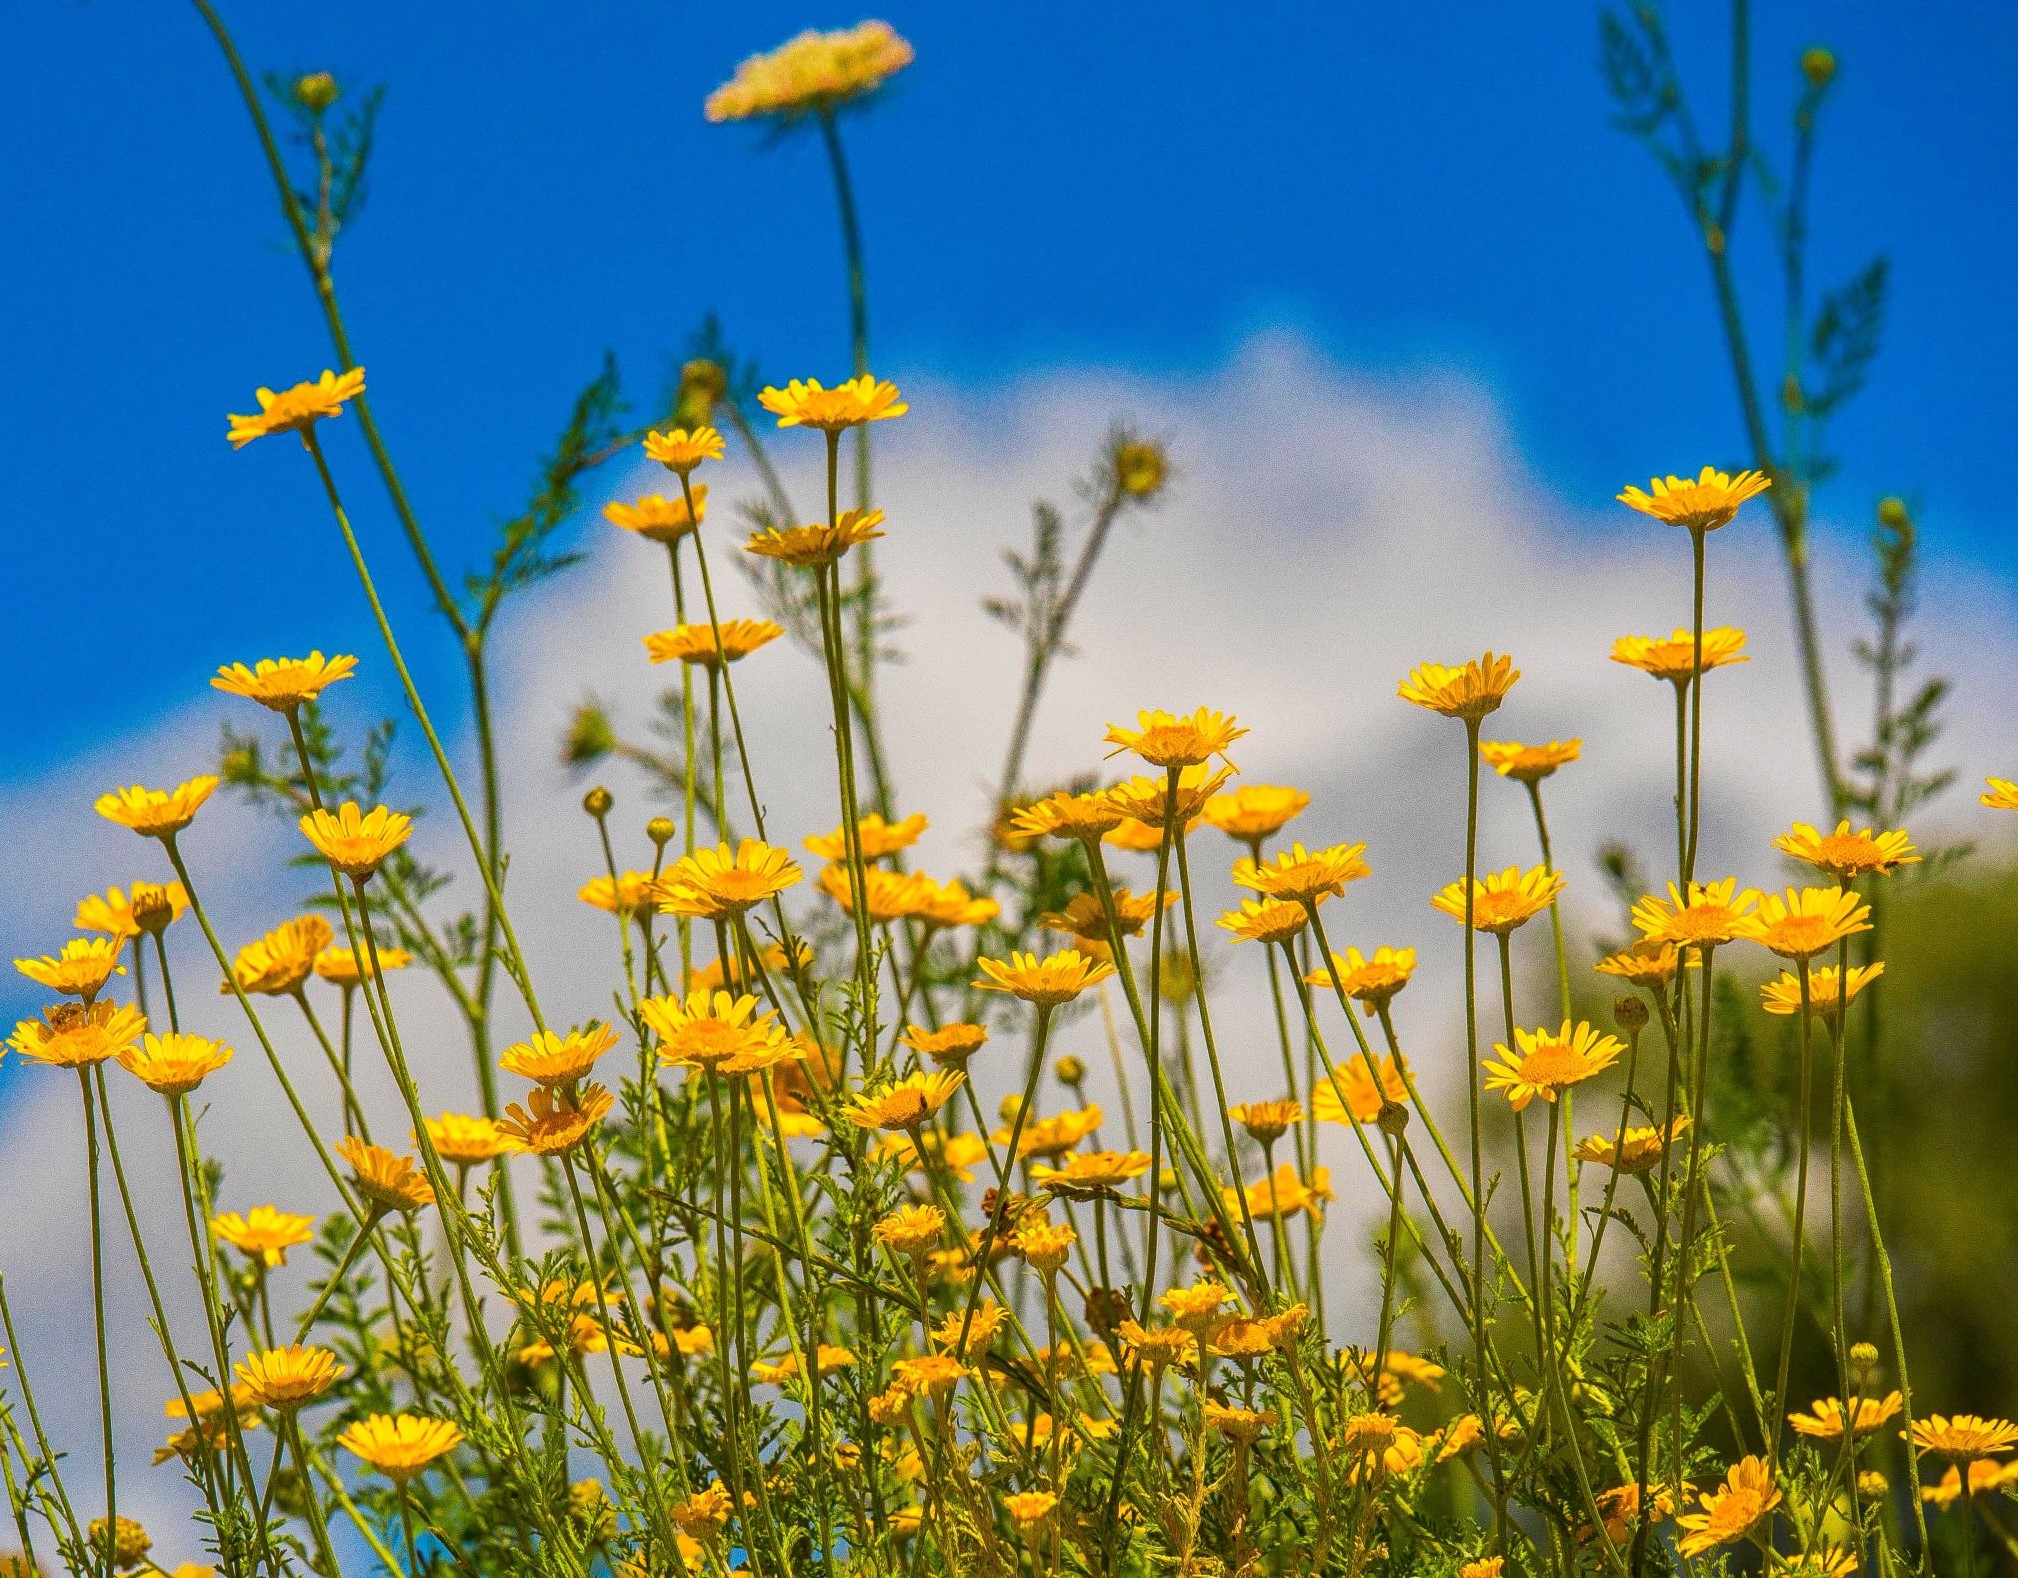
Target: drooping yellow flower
1528 764
549 1059
1638 1150
72 1035
1058 978
2002 794
704 1514
1674 658
1549 1061
1845 855
804 403
400 1446
388 1181
1255 811
298 409
1301 876
552 1122
283 684
337 965
718 883
1471 690
1285 1192
281 960
911 1230
696 643
1783 996
1379 1444
1825 1420
1353 1091
1962 1438
816 546
1029 1508
156 813
1372 983
1066 815
1043 1138
658 518
887 895
288 1379
1148 800
264 1233
1156 1346
1704 504
1243 1426
682 449
1264 920
1807 920
1645 963
80 970
1164 739
1726 1515
1502 900
174 1064
1267 1121
716 1033
1084 1174
1711 913
950 1045
830 1358
878 838
122 918
950 904
815 73
463 1140
629 894
1085 917
355 841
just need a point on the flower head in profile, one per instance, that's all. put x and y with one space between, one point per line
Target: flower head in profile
152 907
553 1122
174 1064
80 970
803 403
74 1035
831 1357
629 893
1351 1096
1469 691
1084 1174
878 839
816 546
949 1045
814 74
1825 990
283 684
549 1059
298 409
1255 811
1053 1136
1633 1150
1807 920
1284 1192
719 883
1962 1438
281 960
264 1233
1727 1514
1845 855
1825 1420
1502 900
389 1181
355 841
681 449
1986 1476
1709 914
1372 983
1163 739
1056 979
1149 802
2002 794
697 643
1066 815
1242 1426
1673 658
1645 963
1264 920
1085 918
1528 764
400 1446
657 518
950 904
886 895
339 966
1704 504
1301 876
287 1379
1546 1062
911 1230
717 1033
905 1104
462 1140
156 813
704 1514
1157 1346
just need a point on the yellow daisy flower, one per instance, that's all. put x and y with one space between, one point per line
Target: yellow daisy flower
696 643
1057 979
814 73
1783 996
704 1514
1548 1061
1845 855
264 1233
1502 900
803 403
156 813
879 839
1469 691
1267 1121
1029 1508
629 894
1645 963
400 1446
682 449
80 970
906 1104
1085 918
887 895
1372 983
950 904
1961 1438
1285 1192
283 684
1302 877
658 518
1264 920
1726 1515
152 907
1528 764
1045 1138
1807 920
551 1123
715 884
1066 815
1148 800
1255 811
463 1140
1352 1095
1825 1420
814 547
2002 794
549 1059
1638 1150
1706 503
1166 740
716 1033
1084 1174
287 1379
389 1181
950 1044
72 1035
1710 914
281 960
911 1230
174 1064
1985 1477
298 409
1674 658
337 965
356 842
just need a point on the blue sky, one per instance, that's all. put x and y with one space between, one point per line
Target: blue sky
1125 185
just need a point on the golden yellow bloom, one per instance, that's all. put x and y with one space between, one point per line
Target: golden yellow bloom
1372 983
1674 658
80 970
716 1033
1066 815
549 1059
816 546
281 960
949 1045
1783 996
1302 877
1267 1121
1057 979
175 1064
463 1140
389 1181
696 643
289 1378
1807 921
1353 1092
130 1541
1380 1444
356 842
1085 918
1029 1508
120 917
1197 1307
803 403
1825 1421
1399 1372
298 409
704 1514
1639 1150
1503 900
156 813
1045 1138
1726 1515
1548 1061
283 684
682 449
400 1446
1824 1561
711 976
1264 920
2002 794
905 1104
1165 740
1845 855
551 1122
657 518
958 1154
830 1358
1528 764
1156 1346
1486 1567
1985 1476
1645 963
1712 913
1148 800
1245 1426
950 904
1046 1246
340 967
1963 1437
929 1376
71 1035
715 884
1084 1174
1470 691
1701 505
1619 1508
877 837
814 73
264 1233
887 895
1285 1192
911 1230
1255 811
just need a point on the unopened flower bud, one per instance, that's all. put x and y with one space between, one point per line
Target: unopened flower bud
1629 1013
317 91
1009 1107
130 1541
597 802
1140 468
1863 1360
1071 1071
702 383
660 830
1818 65
152 908
1892 512
1393 1119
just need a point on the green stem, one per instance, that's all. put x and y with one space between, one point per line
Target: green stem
98 1321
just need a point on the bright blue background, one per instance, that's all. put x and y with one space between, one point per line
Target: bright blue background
1126 184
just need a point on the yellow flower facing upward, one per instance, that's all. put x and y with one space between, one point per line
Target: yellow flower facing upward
80 970
72 1035
1708 915
174 1064
804 403
1056 979
1485 1567
281 960
1085 917
657 518
2002 794
1352 1095
283 684
1372 983
716 1033
950 904
1029 1508
462 1140
879 839
1727 1514
1825 989
911 1230
549 1059
704 1514
1637 1150
886 895
156 813
905 1104
1066 815
400 1446
1264 920
339 966
355 841
1284 1192
1528 764
1673 658
1824 1421
683 448
552 1122
1549 1061
1156 1346
719 883
298 409
1702 504
287 1379
1470 690
816 546
1300 876
1197 1307
1645 963
1148 801
1845 855
389 1181
1053 1136
264 1233
1084 1174
949 1045
696 643
122 918
1502 900
1164 739
1255 811
1267 1121
815 73
1807 920
1962 1438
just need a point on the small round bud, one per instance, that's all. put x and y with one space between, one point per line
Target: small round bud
597 802
1892 512
152 908
1140 468
130 1541
1071 1071
1818 65
660 830
702 383
1009 1107
1166 1179
1873 1486
1863 1360
1393 1119
1629 1013
317 91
